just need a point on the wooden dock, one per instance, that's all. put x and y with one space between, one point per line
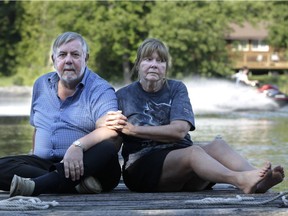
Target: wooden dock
121 201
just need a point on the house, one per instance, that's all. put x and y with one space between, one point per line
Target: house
247 46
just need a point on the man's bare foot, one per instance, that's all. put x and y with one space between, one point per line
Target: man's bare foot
273 177
249 180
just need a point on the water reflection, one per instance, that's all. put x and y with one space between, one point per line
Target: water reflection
257 138
16 135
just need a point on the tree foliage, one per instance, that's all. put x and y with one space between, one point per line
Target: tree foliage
278 35
194 38
193 30
9 36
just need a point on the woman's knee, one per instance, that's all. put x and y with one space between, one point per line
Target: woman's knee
218 144
195 149
191 154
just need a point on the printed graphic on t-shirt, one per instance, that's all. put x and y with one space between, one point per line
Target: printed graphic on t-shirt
158 113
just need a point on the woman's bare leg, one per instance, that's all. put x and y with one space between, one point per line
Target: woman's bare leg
222 152
234 161
194 164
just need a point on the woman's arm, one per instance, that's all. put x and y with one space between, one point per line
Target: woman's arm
175 131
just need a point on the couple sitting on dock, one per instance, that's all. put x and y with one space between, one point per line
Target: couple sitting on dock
79 131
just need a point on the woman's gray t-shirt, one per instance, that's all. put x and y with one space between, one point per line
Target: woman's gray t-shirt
153 109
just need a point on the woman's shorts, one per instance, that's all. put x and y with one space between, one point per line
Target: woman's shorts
144 174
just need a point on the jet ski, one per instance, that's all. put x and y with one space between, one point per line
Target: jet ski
273 92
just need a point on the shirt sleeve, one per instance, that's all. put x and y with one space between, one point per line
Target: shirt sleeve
181 108
103 100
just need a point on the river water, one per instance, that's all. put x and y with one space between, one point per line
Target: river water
254 127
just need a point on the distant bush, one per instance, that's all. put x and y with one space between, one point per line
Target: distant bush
18 81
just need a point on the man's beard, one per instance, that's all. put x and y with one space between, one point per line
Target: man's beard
70 78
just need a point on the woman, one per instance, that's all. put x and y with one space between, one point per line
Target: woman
157 150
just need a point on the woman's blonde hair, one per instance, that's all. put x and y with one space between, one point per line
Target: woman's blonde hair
147 48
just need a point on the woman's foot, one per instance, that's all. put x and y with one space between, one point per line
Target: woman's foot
273 177
248 180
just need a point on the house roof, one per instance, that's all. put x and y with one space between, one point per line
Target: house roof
247 31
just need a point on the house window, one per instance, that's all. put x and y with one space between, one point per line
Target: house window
242 45
258 45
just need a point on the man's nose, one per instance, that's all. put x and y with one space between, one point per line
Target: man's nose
68 59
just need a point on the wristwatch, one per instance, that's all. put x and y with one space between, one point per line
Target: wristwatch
77 143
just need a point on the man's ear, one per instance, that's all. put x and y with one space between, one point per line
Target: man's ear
87 57
53 61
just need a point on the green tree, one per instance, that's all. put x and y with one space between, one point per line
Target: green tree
193 30
121 33
112 28
37 30
10 36
194 38
278 32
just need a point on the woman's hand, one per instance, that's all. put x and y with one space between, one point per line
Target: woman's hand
128 129
172 132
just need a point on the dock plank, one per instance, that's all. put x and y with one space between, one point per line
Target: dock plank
121 201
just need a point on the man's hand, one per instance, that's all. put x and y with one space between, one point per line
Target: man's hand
73 163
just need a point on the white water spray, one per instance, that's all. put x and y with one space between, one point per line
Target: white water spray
15 101
207 96
214 96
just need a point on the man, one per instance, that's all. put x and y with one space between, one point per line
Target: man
242 77
71 152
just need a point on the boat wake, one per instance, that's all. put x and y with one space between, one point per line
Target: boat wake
214 96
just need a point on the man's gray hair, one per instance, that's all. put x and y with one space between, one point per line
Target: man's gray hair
68 37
